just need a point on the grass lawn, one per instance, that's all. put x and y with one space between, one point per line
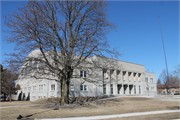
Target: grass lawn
167 116
106 107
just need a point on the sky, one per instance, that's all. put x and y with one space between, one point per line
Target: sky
137 36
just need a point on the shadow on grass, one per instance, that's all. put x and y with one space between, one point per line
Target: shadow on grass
27 117
174 108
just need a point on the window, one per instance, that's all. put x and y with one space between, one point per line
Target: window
134 89
124 75
118 75
151 80
139 76
41 64
146 79
53 87
26 69
29 89
147 88
24 89
139 89
152 88
22 72
176 91
71 87
104 88
40 88
104 74
53 74
34 88
35 65
111 88
82 73
30 65
83 87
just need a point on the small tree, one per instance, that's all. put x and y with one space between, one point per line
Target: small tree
8 83
67 33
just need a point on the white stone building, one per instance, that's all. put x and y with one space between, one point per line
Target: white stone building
126 78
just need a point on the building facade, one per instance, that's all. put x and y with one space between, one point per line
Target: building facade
125 79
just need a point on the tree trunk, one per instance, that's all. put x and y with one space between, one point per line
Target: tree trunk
63 91
67 91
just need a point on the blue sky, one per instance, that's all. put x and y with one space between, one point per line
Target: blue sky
138 34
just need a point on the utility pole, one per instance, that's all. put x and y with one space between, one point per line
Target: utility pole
164 54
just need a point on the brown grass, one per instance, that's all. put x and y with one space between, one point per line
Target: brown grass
106 107
166 116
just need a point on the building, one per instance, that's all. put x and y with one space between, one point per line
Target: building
124 79
174 88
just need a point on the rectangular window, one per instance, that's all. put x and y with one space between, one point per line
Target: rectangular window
84 73
147 88
53 74
139 76
34 88
53 87
104 74
71 87
26 68
134 89
104 89
111 88
151 80
81 73
35 65
139 89
146 79
83 87
118 75
30 66
176 91
24 89
41 64
22 72
29 89
152 88
41 88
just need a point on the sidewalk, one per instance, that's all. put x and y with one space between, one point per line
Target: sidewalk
113 116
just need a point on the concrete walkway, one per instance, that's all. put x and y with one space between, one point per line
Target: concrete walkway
113 116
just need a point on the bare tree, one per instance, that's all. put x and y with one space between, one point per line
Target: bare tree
66 33
8 83
171 81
